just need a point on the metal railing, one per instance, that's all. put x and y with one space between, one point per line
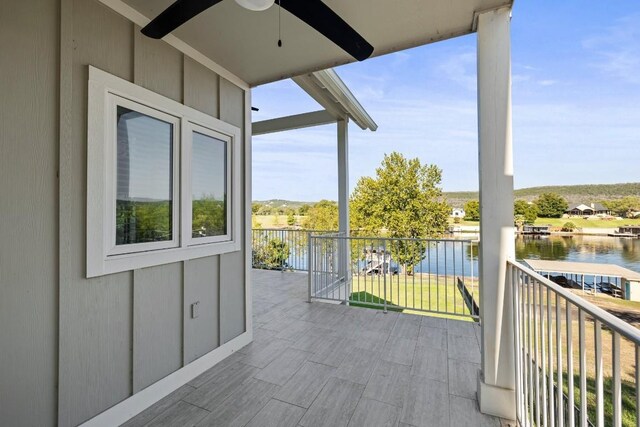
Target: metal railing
427 275
280 249
564 379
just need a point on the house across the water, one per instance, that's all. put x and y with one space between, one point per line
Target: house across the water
582 209
458 213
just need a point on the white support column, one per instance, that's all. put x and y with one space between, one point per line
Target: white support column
343 197
496 381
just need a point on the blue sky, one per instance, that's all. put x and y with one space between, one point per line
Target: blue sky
576 107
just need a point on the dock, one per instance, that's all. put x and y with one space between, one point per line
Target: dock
536 229
625 279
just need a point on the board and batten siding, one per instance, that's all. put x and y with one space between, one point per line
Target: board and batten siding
28 212
74 347
122 332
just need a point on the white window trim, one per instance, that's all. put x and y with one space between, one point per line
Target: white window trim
102 258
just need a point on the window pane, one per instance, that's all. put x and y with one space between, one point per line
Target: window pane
209 186
144 196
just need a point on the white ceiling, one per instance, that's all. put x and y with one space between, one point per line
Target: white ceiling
245 42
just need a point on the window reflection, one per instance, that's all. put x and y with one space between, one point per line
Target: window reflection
208 186
144 197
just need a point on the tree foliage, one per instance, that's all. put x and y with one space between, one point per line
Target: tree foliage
271 253
528 212
291 220
322 216
624 207
142 221
209 217
404 199
472 210
304 209
551 205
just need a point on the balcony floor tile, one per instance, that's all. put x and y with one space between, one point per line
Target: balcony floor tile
333 365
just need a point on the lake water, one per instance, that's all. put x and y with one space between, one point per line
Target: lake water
596 249
458 260
461 258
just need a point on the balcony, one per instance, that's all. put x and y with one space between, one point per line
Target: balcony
326 364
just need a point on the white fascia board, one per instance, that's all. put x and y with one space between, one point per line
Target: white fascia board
308 83
339 90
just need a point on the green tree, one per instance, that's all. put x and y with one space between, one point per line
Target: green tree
322 216
208 217
291 220
271 253
528 212
551 205
265 210
472 210
404 199
255 207
304 209
624 206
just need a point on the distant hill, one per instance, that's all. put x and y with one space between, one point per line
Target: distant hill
279 203
573 193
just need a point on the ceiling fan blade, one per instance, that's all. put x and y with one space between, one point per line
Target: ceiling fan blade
175 15
328 23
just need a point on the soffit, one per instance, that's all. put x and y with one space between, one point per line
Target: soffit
245 42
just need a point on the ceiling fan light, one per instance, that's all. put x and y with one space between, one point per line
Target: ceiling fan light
256 5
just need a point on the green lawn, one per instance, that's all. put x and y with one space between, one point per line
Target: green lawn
585 223
273 221
579 222
420 292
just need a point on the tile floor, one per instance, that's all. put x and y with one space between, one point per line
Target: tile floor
331 365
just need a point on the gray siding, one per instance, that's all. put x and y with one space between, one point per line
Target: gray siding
201 284
201 88
232 291
28 209
139 320
96 324
73 347
157 323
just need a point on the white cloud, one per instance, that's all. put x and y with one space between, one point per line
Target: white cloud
618 48
461 68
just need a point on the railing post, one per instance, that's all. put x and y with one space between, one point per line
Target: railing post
384 273
342 265
516 319
309 264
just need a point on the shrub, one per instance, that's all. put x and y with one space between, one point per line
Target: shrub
569 226
271 255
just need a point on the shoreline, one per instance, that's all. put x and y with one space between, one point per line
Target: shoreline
601 232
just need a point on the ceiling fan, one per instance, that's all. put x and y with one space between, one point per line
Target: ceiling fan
313 12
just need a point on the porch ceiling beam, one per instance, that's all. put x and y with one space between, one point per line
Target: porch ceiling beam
297 121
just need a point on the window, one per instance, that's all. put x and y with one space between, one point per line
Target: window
208 185
160 177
